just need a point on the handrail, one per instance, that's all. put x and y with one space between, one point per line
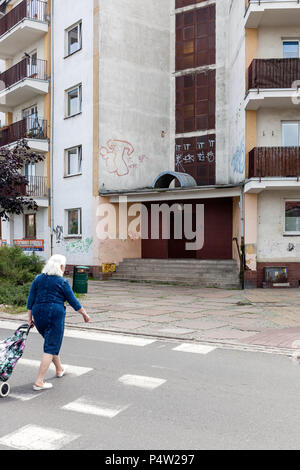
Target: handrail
31 9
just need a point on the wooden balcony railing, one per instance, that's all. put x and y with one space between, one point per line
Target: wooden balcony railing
274 73
26 68
37 186
28 128
32 9
274 161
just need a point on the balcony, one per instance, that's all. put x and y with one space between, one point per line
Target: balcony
23 82
272 13
273 83
32 129
22 26
265 162
37 187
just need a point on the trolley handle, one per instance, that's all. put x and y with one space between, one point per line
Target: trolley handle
26 327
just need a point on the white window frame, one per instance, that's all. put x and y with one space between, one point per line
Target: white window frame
285 232
290 40
70 235
79 157
67 44
282 134
67 102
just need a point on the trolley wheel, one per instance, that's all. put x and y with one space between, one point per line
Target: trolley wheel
4 390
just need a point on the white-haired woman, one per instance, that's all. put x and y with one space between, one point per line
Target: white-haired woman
46 310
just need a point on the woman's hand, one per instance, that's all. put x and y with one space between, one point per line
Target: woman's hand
29 318
86 317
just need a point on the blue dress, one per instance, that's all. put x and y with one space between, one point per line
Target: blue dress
47 301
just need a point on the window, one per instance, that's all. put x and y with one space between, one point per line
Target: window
73 161
74 39
290 49
292 217
290 134
30 226
74 222
73 101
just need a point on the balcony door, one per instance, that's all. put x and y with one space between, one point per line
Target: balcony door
30 116
290 134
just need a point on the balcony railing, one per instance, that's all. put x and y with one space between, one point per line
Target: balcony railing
37 186
274 73
31 9
27 68
274 162
28 128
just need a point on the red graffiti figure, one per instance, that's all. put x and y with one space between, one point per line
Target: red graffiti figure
117 156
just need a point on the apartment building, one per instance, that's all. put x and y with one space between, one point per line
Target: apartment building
25 102
180 103
272 197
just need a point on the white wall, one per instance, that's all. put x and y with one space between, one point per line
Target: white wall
134 92
74 192
236 92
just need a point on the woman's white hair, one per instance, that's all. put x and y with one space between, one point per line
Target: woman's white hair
53 266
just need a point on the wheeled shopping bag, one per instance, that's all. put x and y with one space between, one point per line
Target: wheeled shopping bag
11 350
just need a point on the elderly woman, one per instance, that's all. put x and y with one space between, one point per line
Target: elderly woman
47 312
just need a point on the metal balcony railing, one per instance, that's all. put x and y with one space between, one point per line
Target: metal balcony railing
27 128
37 186
26 68
274 73
31 9
274 162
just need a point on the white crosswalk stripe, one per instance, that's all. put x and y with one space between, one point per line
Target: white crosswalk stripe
33 437
90 407
194 348
149 383
77 371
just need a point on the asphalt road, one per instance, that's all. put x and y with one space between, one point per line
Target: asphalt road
109 400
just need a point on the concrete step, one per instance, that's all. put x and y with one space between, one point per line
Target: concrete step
180 281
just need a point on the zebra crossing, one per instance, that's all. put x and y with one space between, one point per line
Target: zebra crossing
37 437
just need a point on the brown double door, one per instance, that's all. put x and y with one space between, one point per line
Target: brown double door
217 232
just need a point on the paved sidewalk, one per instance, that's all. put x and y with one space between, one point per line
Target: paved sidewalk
254 318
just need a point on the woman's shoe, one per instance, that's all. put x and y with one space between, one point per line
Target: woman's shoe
46 386
61 374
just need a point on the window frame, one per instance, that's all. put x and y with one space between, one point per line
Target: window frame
26 236
67 101
282 132
79 157
71 235
78 24
286 232
284 41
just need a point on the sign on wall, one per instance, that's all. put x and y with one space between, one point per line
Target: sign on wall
30 245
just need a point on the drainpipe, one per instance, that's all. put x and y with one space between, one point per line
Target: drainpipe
243 254
52 129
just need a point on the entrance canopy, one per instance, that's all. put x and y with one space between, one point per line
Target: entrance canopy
163 180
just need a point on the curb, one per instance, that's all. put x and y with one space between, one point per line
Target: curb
217 344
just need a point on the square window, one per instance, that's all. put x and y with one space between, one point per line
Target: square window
74 101
74 222
290 49
290 134
73 161
74 39
292 217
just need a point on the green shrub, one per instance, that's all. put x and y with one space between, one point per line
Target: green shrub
17 271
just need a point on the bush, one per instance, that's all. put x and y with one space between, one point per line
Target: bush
17 271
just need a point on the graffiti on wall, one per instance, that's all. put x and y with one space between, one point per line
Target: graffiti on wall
238 159
119 157
79 246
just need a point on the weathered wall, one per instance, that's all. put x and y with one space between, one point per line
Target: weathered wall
235 128
134 92
273 245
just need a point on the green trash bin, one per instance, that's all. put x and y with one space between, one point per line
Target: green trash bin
80 279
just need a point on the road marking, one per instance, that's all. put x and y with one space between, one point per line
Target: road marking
23 396
86 406
109 338
140 381
70 370
33 437
195 348
90 335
